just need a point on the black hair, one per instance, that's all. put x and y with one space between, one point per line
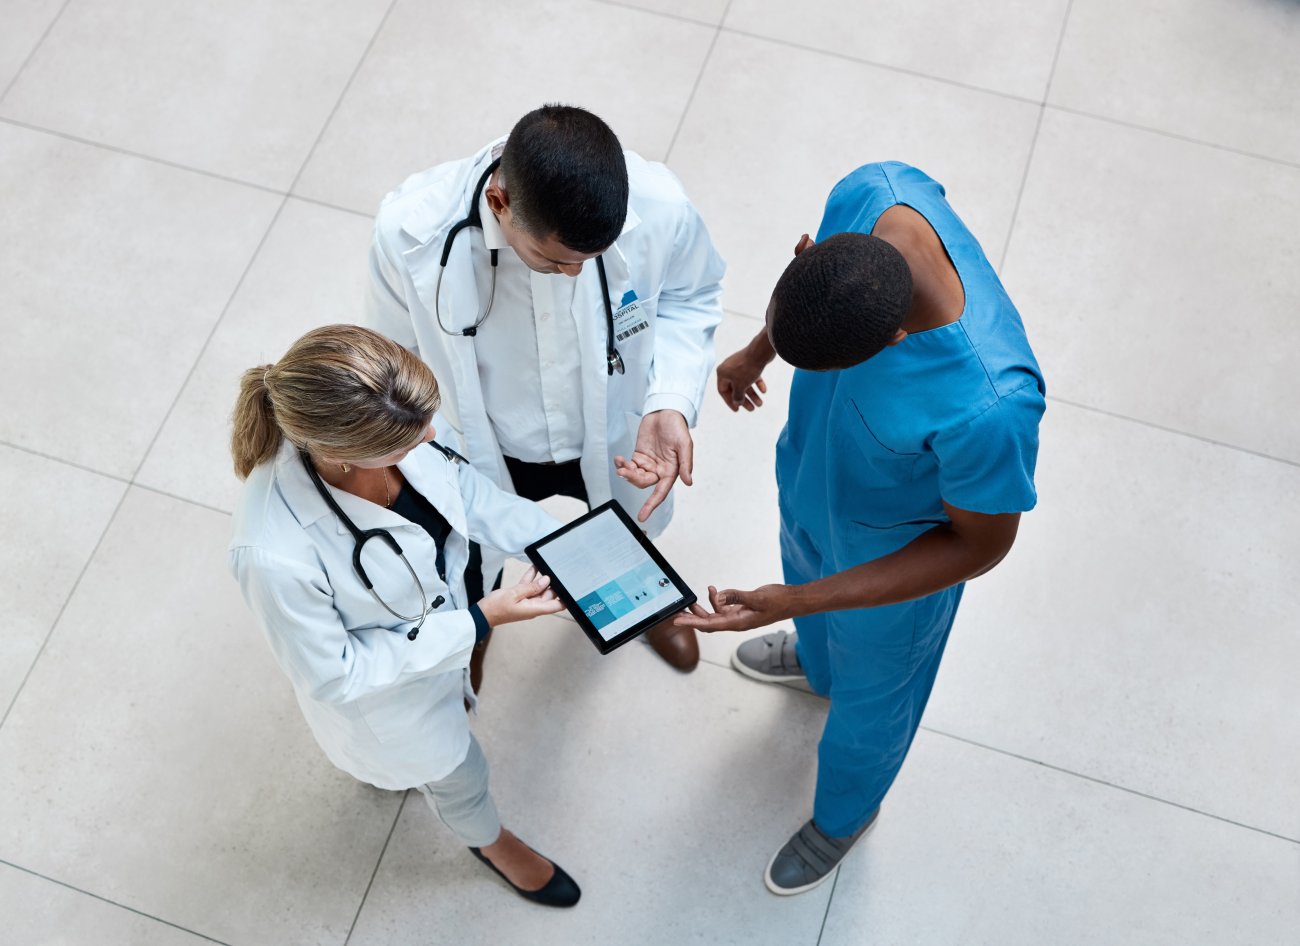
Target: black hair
565 175
840 302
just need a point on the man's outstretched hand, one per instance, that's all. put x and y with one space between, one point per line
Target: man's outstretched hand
664 453
739 610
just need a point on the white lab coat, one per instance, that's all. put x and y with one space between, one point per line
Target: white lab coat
385 709
664 254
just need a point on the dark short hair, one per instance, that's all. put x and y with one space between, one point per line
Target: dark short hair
565 175
840 302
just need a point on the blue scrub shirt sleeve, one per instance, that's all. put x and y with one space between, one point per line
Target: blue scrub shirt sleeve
987 464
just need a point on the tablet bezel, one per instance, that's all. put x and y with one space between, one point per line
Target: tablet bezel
688 598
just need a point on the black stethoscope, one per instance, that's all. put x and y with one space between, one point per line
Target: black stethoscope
613 360
361 536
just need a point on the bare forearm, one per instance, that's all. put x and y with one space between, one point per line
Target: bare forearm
931 562
760 348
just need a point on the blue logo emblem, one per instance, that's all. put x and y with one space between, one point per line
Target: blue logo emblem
628 298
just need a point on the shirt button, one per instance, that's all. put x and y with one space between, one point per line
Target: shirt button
545 316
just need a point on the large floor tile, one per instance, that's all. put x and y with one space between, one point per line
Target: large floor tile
760 150
113 272
1143 629
311 271
39 912
445 79
725 527
1157 278
239 88
51 516
25 23
157 756
977 848
662 794
1214 71
1005 47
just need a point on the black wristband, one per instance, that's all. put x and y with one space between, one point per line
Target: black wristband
481 626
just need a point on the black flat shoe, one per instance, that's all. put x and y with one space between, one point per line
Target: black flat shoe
560 890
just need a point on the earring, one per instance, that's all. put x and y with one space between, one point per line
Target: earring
346 468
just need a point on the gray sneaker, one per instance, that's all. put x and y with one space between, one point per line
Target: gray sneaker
772 659
808 858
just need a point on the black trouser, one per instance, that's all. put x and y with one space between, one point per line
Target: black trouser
535 481
542 480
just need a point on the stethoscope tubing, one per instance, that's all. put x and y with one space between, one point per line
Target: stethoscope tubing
613 360
361 536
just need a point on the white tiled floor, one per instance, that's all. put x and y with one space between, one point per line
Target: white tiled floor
1110 756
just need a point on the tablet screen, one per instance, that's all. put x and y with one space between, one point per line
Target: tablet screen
609 574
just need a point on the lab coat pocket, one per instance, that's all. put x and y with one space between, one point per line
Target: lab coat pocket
395 714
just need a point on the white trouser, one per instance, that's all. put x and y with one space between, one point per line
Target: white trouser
463 802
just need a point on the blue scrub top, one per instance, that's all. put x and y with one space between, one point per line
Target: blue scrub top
952 414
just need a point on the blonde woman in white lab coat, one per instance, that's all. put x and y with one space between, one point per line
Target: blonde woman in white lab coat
337 437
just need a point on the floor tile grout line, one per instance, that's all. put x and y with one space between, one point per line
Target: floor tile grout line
65 462
902 70
216 325
1137 126
695 87
1020 192
1056 56
113 476
1056 768
1173 430
662 13
375 873
343 93
1033 142
72 591
285 198
1176 136
821 931
122 906
182 499
368 215
1103 782
32 52
117 149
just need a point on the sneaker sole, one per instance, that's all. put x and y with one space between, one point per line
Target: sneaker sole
799 682
794 891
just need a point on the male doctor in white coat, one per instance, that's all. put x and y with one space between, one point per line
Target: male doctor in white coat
565 293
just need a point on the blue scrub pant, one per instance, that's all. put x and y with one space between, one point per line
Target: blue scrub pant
878 666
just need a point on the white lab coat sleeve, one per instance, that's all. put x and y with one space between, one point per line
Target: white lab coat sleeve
325 660
500 519
387 311
689 311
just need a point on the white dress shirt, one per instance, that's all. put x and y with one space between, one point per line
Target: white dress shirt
528 354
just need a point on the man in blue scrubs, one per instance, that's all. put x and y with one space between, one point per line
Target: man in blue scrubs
904 466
